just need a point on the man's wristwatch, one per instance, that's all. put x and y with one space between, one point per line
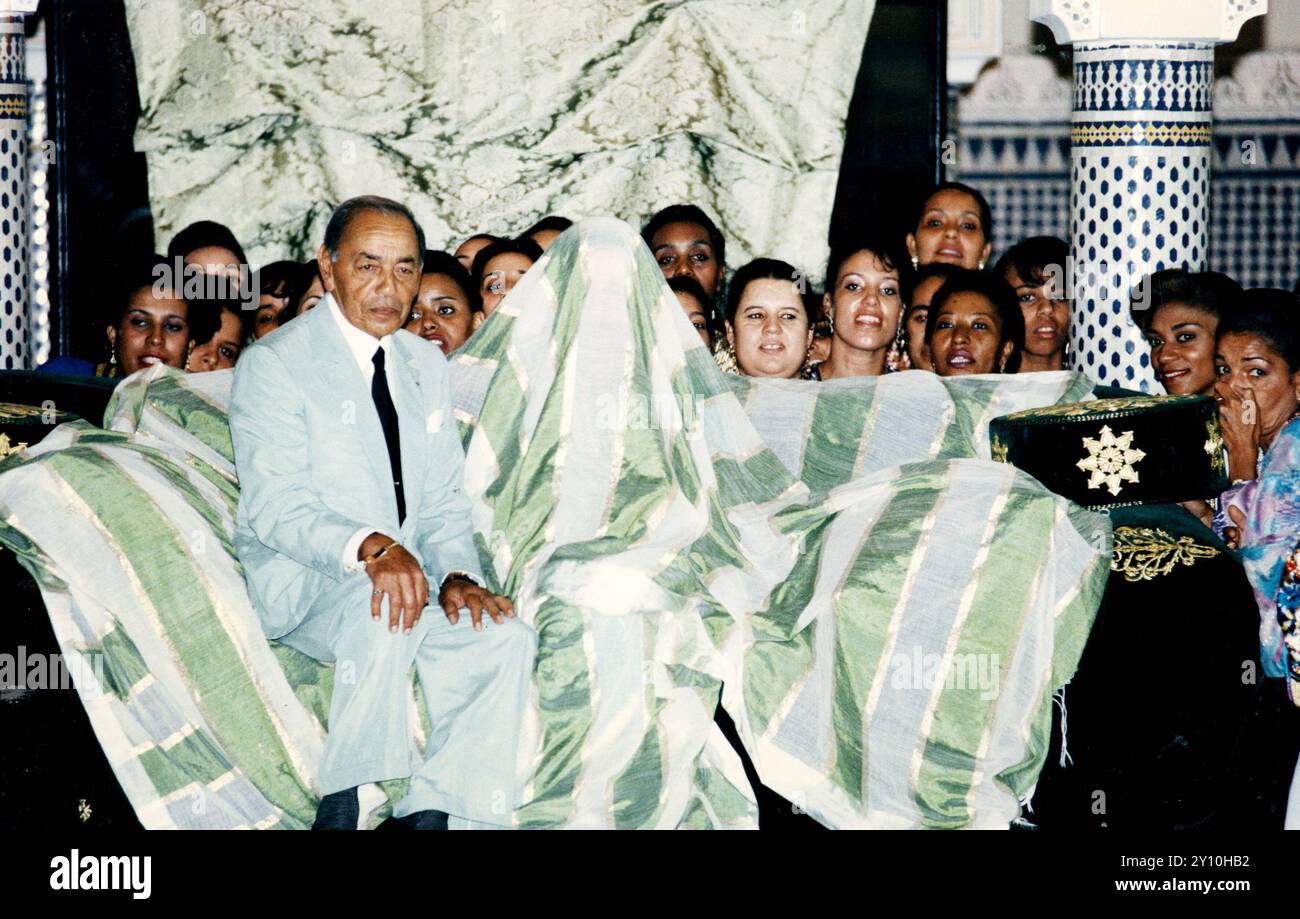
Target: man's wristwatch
377 554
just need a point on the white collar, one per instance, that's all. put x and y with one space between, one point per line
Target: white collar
360 342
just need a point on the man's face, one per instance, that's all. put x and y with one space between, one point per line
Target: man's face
376 276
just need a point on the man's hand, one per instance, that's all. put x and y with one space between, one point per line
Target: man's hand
458 592
397 574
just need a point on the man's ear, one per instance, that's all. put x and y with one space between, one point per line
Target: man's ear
326 267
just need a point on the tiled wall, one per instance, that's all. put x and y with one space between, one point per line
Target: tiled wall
1013 136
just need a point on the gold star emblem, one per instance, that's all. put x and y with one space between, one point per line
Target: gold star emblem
1110 460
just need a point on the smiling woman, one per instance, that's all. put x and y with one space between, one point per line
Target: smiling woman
447 309
975 326
769 313
866 288
954 225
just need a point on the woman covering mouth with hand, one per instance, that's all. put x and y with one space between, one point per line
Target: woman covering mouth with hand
975 326
1035 270
768 318
1180 317
866 290
447 309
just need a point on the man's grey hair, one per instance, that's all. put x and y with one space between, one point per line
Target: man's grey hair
349 209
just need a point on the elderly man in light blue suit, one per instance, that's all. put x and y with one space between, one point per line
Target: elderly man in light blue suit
352 503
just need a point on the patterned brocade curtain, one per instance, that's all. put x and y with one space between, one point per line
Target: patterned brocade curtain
484 115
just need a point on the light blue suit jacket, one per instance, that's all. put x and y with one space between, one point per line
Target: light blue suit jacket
313 465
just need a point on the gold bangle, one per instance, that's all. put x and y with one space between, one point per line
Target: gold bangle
376 555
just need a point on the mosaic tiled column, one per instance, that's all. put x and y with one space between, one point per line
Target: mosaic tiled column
15 351
1140 160
40 154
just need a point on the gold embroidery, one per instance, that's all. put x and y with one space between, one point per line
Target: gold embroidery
1144 553
12 411
1122 404
1110 460
1214 446
999 450
6 449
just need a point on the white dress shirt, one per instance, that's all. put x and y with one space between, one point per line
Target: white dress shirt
363 346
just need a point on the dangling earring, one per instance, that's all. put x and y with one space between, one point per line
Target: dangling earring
981 264
112 357
1002 365
896 357
916 263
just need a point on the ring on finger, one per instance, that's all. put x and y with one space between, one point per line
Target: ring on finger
376 592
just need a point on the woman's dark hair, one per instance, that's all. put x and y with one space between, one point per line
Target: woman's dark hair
993 288
202 234
204 314
139 274
892 254
1273 315
686 213
764 269
1031 257
685 284
986 215
439 262
1208 291
552 222
941 270
278 278
525 247
308 272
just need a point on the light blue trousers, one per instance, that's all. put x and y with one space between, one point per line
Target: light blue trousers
475 686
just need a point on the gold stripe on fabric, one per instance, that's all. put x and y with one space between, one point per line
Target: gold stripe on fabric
241 641
896 619
977 771
955 632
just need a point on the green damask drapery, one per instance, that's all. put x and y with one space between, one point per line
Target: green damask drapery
487 114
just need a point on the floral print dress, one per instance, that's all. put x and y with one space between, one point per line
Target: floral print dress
1270 550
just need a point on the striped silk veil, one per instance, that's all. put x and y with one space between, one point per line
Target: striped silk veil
884 611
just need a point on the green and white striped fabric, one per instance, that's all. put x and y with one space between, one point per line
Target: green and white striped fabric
885 611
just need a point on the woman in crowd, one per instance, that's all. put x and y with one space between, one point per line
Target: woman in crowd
546 231
310 291
865 291
928 280
1257 359
1179 312
769 314
954 225
695 303
975 326
471 247
498 268
220 349
150 324
276 283
685 241
1035 270
447 308
210 246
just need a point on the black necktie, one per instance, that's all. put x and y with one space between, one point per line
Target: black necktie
388 419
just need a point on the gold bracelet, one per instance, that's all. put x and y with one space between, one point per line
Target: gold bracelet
376 555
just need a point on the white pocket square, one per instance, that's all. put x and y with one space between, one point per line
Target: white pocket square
433 423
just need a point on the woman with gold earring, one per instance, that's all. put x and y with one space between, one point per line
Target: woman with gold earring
866 288
953 225
151 324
